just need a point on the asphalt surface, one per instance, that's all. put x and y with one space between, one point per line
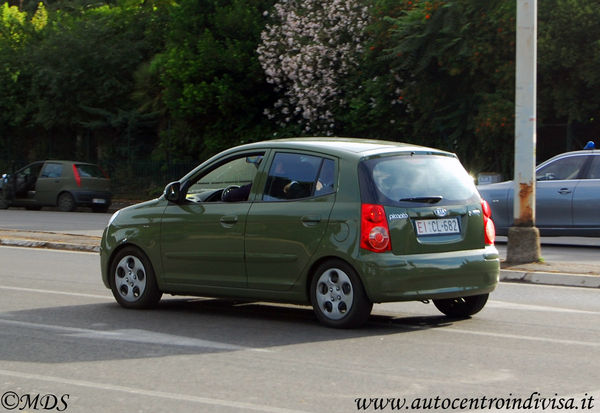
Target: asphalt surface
63 335
567 273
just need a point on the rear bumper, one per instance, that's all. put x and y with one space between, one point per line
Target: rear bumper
389 277
92 198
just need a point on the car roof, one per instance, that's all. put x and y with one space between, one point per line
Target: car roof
572 153
340 147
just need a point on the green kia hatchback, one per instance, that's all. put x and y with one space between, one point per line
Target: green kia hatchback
336 223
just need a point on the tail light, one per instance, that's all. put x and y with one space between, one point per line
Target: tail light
488 225
104 173
77 176
374 230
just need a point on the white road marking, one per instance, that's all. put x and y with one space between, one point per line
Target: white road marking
532 307
150 393
520 337
131 335
37 290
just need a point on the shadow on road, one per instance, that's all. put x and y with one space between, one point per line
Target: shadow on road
177 326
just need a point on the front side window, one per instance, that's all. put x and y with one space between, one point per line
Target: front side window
561 169
228 182
297 176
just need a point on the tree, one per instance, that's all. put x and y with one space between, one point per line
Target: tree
83 61
457 62
568 72
213 86
307 49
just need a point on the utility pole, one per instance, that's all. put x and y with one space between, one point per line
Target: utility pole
523 237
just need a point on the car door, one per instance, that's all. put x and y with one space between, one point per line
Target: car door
556 183
202 238
49 183
25 180
286 225
586 197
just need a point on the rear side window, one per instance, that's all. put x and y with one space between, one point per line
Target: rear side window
52 170
428 178
296 176
89 171
595 168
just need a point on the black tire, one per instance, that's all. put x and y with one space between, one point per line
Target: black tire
461 307
338 297
132 279
66 202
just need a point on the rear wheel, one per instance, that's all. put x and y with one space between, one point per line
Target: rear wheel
132 279
338 297
461 306
66 202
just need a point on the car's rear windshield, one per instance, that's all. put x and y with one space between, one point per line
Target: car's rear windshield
405 180
89 171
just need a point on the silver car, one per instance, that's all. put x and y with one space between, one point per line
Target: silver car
567 196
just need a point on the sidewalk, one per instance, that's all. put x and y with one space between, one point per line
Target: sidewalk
549 273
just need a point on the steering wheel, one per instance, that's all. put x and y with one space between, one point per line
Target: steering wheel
227 191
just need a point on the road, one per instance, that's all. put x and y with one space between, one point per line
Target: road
62 334
81 222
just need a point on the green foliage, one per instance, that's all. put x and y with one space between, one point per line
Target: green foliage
569 56
213 85
375 92
458 57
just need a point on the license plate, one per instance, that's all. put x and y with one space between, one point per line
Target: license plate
98 201
437 226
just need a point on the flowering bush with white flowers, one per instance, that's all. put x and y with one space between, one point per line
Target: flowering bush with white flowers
305 52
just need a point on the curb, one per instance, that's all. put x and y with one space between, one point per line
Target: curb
48 245
550 278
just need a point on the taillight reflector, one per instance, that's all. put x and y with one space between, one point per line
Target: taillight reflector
77 176
374 233
489 228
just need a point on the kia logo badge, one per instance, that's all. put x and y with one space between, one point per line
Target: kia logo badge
440 212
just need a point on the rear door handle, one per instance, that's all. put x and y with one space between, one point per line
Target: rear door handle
229 220
310 219
564 191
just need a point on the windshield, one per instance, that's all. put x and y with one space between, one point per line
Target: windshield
427 178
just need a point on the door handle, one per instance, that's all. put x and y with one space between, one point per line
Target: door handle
310 219
564 191
229 219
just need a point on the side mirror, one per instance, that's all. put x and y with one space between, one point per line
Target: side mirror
173 192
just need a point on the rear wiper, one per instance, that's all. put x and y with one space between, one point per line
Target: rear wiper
424 199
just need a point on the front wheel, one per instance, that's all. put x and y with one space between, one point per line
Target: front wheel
132 279
338 297
461 307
